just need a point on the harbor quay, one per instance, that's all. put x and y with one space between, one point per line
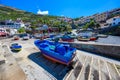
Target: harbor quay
32 65
64 40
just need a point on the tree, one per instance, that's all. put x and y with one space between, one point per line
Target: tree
56 24
86 26
76 19
21 30
97 25
69 28
33 27
92 24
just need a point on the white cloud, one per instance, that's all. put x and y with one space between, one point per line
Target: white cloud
42 12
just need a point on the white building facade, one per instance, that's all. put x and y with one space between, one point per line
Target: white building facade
13 25
113 21
9 24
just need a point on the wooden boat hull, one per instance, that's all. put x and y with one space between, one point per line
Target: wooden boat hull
16 38
93 38
55 60
17 49
68 40
83 39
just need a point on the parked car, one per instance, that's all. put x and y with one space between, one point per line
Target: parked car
25 37
16 38
38 36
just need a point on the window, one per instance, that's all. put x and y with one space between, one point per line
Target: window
114 19
118 22
113 23
110 24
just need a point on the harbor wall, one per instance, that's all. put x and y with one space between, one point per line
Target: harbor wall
110 50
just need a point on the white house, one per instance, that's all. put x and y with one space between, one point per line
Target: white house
42 12
2 30
113 21
8 31
13 31
11 24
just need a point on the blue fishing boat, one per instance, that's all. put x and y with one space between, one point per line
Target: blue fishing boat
15 47
68 38
57 52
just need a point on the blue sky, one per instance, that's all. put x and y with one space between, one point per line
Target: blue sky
70 8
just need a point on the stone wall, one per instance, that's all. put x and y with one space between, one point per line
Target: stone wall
101 49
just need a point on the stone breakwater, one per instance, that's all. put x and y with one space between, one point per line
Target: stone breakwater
110 50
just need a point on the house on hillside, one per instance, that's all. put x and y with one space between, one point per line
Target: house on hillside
12 26
113 21
3 32
9 24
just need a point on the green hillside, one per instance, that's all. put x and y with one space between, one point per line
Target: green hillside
13 13
7 13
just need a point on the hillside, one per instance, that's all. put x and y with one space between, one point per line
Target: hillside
13 13
35 20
